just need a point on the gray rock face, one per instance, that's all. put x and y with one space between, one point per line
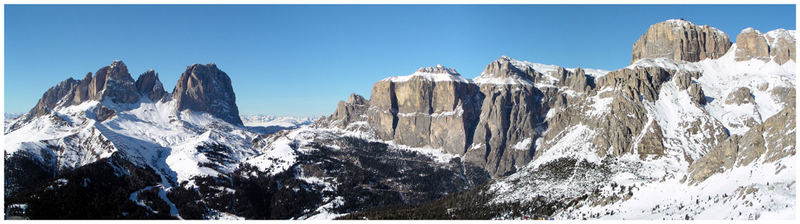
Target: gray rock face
684 81
201 88
205 88
785 95
628 117
778 45
514 105
51 99
505 134
770 141
81 93
782 45
102 113
110 82
681 40
629 128
750 43
493 125
113 82
150 86
741 95
347 112
432 107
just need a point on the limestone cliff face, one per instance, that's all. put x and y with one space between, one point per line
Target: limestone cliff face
516 110
492 122
511 110
432 107
681 40
205 88
777 45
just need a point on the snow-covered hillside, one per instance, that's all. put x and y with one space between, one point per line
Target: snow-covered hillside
150 133
661 187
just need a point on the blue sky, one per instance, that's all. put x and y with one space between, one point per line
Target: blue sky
301 60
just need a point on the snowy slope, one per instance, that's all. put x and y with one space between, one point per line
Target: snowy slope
148 133
724 75
76 139
632 188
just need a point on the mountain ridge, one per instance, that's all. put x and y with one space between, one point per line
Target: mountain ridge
523 139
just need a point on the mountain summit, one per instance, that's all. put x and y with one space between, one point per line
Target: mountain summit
681 40
206 88
201 88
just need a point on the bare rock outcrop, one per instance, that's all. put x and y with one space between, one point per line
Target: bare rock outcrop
103 113
511 109
628 118
205 88
681 40
347 113
432 107
150 86
751 43
767 142
777 45
741 95
112 83
782 47
50 100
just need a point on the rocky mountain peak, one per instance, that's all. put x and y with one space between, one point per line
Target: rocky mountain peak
503 67
681 40
778 45
206 88
356 99
150 86
112 82
750 30
117 63
349 112
438 73
750 44
438 69
117 71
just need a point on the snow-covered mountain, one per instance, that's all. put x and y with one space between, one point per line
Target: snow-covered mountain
268 124
696 127
67 131
148 158
719 129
